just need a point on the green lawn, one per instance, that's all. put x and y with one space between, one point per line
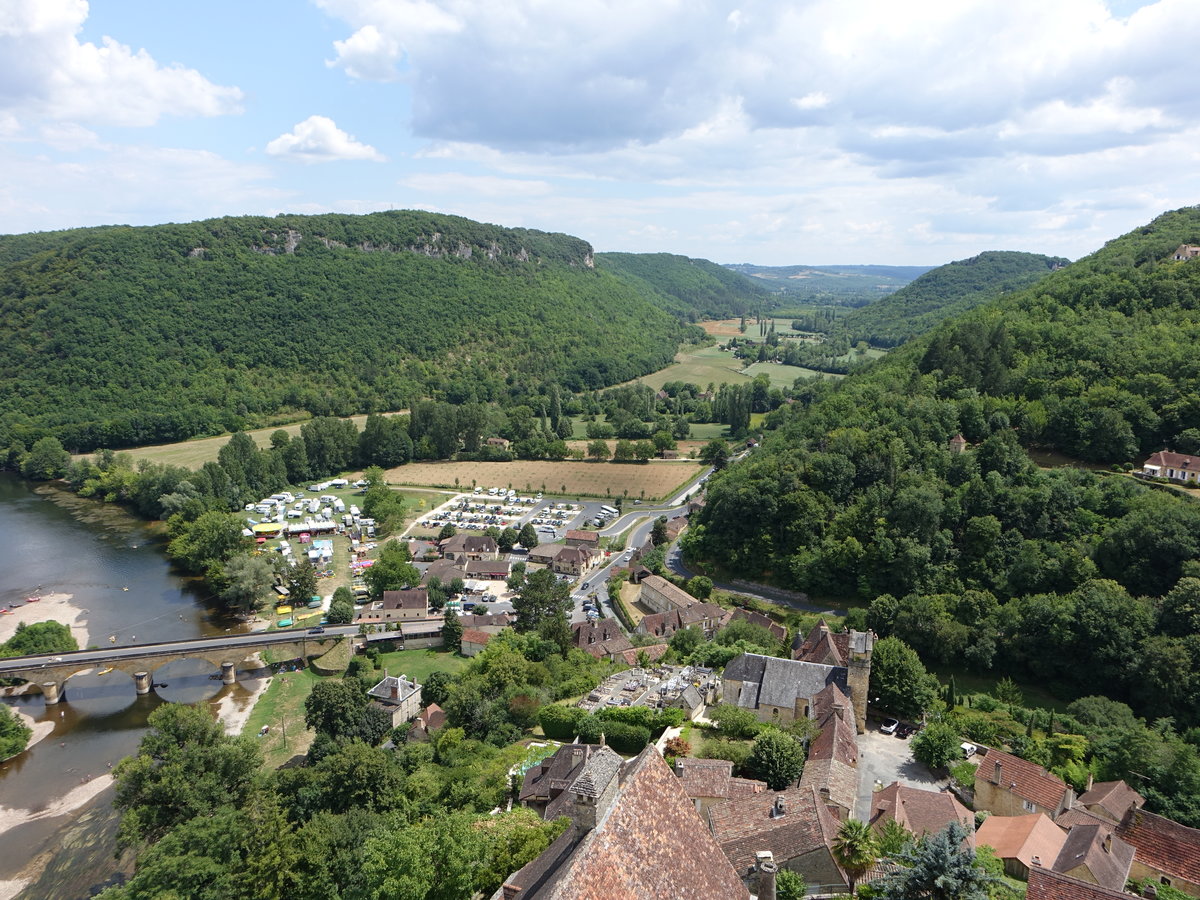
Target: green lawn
417 664
281 706
708 431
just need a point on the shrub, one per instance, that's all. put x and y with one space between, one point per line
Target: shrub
561 723
626 739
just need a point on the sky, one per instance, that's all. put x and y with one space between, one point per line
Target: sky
811 132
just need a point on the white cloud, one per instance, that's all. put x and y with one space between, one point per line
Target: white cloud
368 54
47 72
318 139
459 184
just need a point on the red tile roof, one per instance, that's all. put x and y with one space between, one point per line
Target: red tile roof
1171 460
1024 838
1045 884
822 646
475 636
654 652
588 537
713 778
1162 844
920 811
651 843
1027 780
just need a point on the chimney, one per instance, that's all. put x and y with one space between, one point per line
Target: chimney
603 742
396 689
1107 843
511 890
1090 781
767 869
1036 861
998 779
779 808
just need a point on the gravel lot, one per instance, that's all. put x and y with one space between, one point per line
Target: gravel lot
885 758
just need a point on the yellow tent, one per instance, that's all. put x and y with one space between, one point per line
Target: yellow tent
283 610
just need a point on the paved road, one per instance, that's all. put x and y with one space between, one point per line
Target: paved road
793 599
169 648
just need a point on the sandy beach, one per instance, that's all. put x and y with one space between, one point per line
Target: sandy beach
234 709
56 607
40 729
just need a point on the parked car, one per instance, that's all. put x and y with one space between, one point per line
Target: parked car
889 726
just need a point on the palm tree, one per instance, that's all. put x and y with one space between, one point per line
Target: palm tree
854 850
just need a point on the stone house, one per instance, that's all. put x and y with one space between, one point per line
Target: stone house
660 596
572 561
1164 850
1176 466
1092 853
1021 842
708 782
849 649
398 696
920 811
589 539
394 606
463 547
473 641
1006 785
778 690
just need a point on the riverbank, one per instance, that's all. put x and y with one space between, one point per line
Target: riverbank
51 607
234 708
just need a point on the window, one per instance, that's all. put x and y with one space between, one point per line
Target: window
1029 807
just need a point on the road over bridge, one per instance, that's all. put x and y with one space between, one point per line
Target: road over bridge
52 670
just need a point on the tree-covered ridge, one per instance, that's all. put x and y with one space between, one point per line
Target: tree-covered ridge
944 292
980 558
121 336
691 289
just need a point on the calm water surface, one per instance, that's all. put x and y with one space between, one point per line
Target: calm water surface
51 541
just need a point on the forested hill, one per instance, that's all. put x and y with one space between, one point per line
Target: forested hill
981 558
946 291
691 289
119 336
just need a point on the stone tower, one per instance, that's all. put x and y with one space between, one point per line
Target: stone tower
858 674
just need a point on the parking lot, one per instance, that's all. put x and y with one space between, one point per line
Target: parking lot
884 758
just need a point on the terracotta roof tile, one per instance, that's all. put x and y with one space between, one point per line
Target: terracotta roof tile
651 843
920 811
713 779
1045 884
1162 843
1077 815
1023 838
475 636
1027 780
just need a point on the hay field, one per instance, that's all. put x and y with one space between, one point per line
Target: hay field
570 478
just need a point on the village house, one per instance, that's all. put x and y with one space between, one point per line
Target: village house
603 639
832 765
572 561
1021 842
1176 466
411 603
491 623
708 782
795 826
851 650
633 833
429 720
464 547
1046 884
444 570
1185 252
589 539
549 779
660 596
498 442
1164 850
919 811
1006 785
543 554
708 617
473 641
398 697
777 690
1110 800
1092 853
488 569
958 444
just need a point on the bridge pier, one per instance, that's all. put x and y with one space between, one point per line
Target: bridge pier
141 682
228 673
50 691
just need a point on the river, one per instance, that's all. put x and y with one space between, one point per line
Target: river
113 565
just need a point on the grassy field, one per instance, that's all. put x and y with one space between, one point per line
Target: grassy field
417 664
573 478
709 365
195 453
281 706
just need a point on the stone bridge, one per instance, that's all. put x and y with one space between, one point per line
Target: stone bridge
228 653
